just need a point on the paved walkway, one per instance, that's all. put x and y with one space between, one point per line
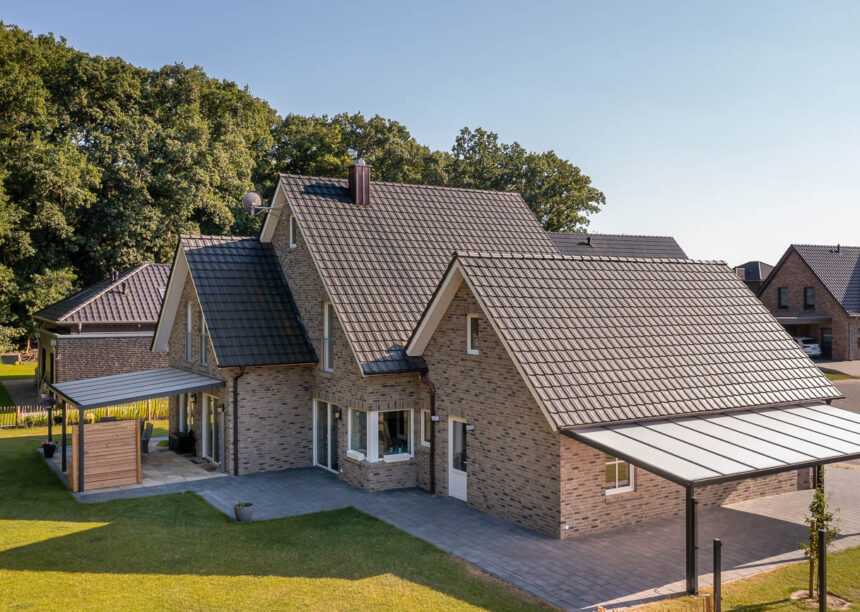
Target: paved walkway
617 568
852 368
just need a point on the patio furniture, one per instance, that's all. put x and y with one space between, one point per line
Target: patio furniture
144 439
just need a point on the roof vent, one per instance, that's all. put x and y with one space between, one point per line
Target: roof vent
359 182
114 275
838 248
588 241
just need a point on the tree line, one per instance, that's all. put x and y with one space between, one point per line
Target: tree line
103 164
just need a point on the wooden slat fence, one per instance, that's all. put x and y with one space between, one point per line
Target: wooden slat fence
112 455
37 416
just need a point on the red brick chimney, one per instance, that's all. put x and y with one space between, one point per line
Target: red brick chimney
359 182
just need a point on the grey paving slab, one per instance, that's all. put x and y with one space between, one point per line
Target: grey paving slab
616 568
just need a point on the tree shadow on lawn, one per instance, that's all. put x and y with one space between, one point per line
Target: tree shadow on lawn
182 534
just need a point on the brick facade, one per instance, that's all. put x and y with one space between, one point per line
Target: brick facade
794 274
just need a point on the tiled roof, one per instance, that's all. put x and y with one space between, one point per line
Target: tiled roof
381 262
753 270
603 340
249 309
838 269
135 297
617 245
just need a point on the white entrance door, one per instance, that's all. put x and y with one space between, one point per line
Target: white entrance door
457 458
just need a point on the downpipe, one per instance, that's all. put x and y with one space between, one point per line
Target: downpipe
236 420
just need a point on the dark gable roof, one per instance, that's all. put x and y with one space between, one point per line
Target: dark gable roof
381 262
135 297
603 340
753 270
838 269
249 309
617 245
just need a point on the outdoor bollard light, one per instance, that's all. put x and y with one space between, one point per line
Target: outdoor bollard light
718 575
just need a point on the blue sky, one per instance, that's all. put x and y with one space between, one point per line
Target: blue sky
732 126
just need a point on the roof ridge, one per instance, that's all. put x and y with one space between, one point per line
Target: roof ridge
402 184
607 234
559 257
121 279
216 237
826 246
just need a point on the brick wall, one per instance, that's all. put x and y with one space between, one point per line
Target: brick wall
513 456
794 274
88 357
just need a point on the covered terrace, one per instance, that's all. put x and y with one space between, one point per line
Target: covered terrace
117 389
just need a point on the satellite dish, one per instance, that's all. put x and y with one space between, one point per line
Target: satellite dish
252 201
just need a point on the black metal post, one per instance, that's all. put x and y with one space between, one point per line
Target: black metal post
65 410
50 422
718 575
80 457
692 543
816 480
822 570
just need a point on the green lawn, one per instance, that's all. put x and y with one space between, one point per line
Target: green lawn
178 552
770 591
12 372
833 375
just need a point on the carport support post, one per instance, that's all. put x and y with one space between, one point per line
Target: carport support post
822 570
718 575
64 437
80 457
692 542
51 422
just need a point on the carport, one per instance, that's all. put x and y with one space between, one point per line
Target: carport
118 389
694 451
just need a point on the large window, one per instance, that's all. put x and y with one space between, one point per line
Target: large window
188 356
426 427
395 437
358 433
809 298
782 297
186 412
204 340
328 348
619 475
294 231
471 334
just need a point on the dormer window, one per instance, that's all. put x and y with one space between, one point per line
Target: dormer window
472 334
188 332
294 231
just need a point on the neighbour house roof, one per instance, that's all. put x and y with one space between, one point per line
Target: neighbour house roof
133 297
836 266
249 310
753 271
380 262
602 340
617 245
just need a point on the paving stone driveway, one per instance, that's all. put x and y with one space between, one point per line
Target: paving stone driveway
621 567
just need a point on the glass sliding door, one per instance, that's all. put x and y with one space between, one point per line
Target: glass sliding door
211 438
325 435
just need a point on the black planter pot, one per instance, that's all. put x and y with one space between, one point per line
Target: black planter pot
49 451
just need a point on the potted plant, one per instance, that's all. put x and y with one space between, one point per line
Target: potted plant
243 511
48 448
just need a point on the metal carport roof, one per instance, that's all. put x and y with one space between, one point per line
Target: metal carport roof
710 448
120 389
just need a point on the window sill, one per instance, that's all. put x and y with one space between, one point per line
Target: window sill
611 492
355 455
396 458
473 353
425 444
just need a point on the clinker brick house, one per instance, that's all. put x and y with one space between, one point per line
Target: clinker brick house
105 329
814 291
403 335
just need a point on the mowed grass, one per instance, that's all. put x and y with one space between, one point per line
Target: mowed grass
13 372
771 590
178 552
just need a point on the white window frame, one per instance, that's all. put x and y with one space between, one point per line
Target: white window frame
410 428
328 356
294 226
630 470
424 432
189 357
470 350
204 342
354 454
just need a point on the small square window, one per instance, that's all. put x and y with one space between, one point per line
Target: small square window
782 297
294 231
809 298
619 476
472 334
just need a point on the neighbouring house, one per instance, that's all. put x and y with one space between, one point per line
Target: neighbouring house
406 335
753 274
814 291
617 245
105 329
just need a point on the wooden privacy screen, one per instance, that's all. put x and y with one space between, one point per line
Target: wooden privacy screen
112 455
